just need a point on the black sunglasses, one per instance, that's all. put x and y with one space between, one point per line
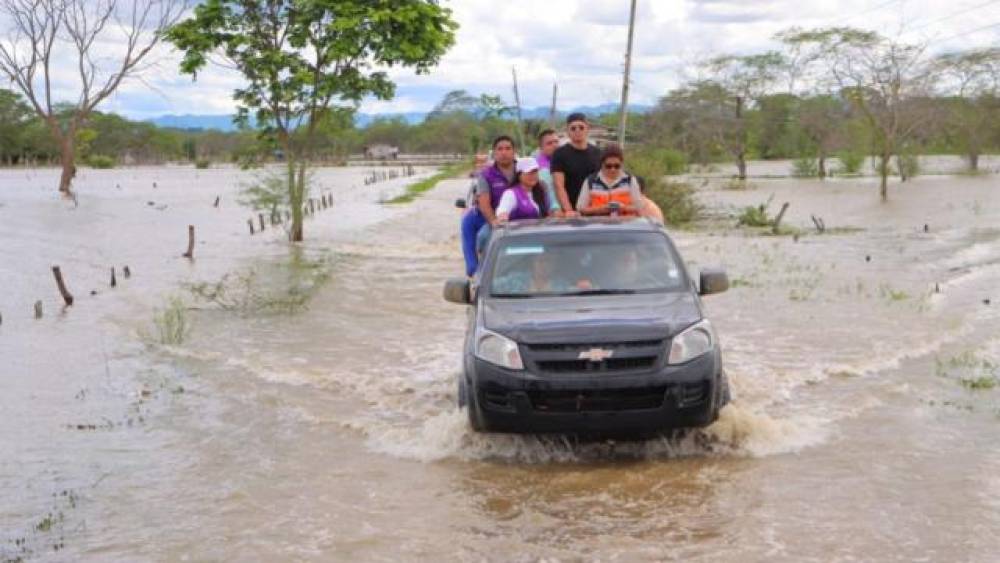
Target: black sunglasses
610 166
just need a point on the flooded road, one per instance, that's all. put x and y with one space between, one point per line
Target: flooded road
318 422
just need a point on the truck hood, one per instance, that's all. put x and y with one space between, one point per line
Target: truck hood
592 318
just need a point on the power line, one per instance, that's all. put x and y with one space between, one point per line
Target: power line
876 8
968 32
954 15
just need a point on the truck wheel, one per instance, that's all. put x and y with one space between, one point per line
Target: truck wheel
467 399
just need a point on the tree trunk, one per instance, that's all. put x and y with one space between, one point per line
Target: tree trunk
974 161
68 161
822 166
883 170
741 165
295 199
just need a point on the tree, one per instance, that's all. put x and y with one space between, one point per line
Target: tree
14 116
46 33
746 79
821 119
971 80
886 81
301 57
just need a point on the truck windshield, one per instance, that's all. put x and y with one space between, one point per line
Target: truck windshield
570 264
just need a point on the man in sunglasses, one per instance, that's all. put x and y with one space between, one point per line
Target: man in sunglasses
573 162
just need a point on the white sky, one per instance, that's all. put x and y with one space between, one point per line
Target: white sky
581 44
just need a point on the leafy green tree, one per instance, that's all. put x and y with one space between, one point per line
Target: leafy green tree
14 116
971 83
300 58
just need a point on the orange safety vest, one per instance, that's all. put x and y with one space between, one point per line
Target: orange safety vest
601 194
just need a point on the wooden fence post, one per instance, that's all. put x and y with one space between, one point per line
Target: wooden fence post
190 250
66 295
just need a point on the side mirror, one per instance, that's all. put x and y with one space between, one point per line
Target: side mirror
457 290
460 203
713 280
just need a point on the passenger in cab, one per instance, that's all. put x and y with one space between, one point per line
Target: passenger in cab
611 190
548 142
490 185
573 162
529 199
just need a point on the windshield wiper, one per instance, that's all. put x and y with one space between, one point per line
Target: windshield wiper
512 295
601 292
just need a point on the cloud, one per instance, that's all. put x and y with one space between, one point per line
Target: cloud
578 44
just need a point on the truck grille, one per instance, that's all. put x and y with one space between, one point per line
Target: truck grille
560 359
597 400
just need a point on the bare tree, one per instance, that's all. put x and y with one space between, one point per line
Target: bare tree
46 33
887 81
971 84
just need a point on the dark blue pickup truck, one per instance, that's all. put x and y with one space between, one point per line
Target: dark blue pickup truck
588 326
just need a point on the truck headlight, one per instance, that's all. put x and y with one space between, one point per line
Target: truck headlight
694 341
498 350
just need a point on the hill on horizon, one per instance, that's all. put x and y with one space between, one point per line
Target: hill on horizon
222 122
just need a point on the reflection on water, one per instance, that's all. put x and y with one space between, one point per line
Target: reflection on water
310 413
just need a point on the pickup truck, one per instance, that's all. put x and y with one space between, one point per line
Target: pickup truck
588 326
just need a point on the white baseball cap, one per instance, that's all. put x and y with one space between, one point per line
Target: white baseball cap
527 164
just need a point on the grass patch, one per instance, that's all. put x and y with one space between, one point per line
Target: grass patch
891 294
415 190
171 323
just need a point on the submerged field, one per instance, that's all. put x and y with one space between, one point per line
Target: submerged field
265 403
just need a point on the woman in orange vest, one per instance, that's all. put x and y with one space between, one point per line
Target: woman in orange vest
611 190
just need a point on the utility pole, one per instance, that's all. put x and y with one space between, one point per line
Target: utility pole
552 110
517 105
628 71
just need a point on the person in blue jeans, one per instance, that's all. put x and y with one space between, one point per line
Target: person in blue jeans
477 223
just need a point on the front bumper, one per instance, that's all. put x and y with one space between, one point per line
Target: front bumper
628 403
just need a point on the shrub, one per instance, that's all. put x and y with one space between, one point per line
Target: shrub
202 163
100 161
171 323
756 215
666 162
805 167
908 165
851 161
676 199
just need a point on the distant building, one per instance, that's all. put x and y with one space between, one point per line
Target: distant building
381 152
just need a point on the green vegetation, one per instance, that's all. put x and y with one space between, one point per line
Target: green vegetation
414 190
851 161
100 161
756 215
202 163
675 199
976 373
171 323
279 289
299 57
805 167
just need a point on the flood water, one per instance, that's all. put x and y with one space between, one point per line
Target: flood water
308 412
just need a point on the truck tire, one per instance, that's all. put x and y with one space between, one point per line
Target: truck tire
467 400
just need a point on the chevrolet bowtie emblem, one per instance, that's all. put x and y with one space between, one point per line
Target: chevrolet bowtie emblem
596 354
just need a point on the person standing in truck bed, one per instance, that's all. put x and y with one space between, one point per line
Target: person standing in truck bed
573 162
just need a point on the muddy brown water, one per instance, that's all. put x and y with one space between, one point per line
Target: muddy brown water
864 425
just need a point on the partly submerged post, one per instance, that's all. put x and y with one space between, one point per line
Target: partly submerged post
250 222
190 250
66 295
776 228
38 309
260 217
114 280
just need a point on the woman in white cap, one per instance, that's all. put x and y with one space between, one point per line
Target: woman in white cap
528 199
